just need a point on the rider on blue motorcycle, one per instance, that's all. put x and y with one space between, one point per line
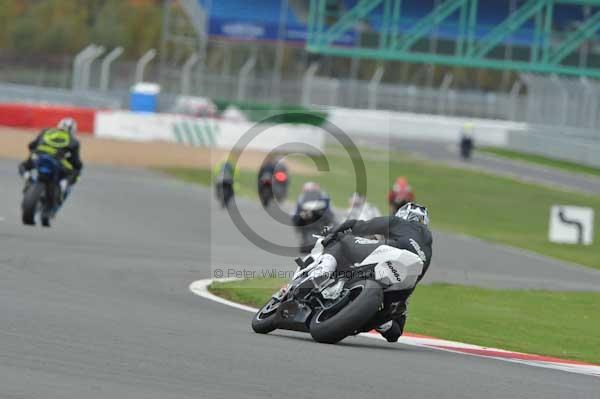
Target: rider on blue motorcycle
61 143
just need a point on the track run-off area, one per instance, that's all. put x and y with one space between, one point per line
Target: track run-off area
99 306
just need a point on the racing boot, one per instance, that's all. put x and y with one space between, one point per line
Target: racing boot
393 329
24 170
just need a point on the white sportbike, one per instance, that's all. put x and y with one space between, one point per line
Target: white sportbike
336 305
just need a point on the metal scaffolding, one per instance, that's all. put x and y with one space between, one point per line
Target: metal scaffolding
469 49
184 32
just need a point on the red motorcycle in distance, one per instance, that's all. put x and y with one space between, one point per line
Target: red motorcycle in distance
273 185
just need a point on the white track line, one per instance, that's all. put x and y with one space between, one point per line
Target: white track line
200 288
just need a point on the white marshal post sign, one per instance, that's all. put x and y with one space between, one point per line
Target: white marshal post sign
571 225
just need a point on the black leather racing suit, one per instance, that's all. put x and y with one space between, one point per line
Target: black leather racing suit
265 190
399 233
412 236
266 169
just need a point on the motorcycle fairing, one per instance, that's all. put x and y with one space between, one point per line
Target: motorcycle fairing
396 268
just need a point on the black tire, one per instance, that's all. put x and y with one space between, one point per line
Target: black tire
330 329
227 195
265 194
264 321
31 197
265 202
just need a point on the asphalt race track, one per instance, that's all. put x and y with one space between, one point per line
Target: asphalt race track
526 171
99 307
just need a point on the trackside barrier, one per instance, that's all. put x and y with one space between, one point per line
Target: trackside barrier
361 123
559 146
40 116
206 132
224 133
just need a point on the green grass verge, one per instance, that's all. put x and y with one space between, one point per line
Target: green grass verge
561 324
541 160
245 186
493 208
257 112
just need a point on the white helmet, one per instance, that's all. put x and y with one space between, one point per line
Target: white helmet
310 186
356 200
414 212
68 125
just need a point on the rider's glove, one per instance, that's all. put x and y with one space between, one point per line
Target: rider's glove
335 233
328 240
73 179
325 231
345 227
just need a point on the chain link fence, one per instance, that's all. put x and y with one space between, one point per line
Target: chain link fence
539 100
21 77
572 102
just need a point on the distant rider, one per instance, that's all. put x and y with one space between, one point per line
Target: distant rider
224 174
360 209
272 179
311 191
400 194
466 143
407 229
267 169
62 144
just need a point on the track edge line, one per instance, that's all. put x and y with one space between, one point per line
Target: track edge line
200 288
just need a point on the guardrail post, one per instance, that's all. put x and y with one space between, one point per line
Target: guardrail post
527 81
564 96
374 86
186 73
412 92
86 66
244 72
514 99
451 102
79 58
588 106
142 63
307 81
444 87
105 68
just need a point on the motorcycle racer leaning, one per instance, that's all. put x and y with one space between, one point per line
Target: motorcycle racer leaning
62 144
407 229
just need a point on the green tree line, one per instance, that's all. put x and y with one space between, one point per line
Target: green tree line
64 27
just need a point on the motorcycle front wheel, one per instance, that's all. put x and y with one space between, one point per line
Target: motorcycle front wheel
363 300
263 321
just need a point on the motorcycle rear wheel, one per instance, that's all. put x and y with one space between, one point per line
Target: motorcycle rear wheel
330 327
31 197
